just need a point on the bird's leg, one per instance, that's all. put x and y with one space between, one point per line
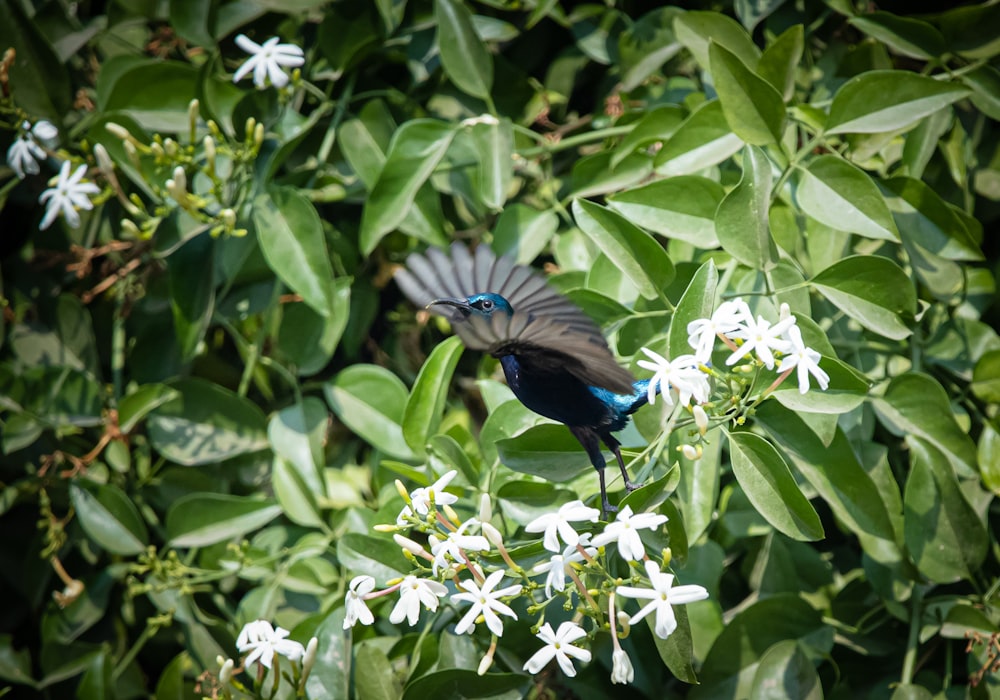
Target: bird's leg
589 439
616 447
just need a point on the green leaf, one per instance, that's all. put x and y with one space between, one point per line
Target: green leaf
297 433
64 397
633 250
426 403
331 674
109 518
872 290
136 405
924 218
677 649
781 59
205 423
647 45
888 100
463 54
741 222
754 110
985 83
697 302
703 140
847 390
494 143
374 678
916 405
656 126
466 683
907 36
371 400
549 451
97 681
680 207
309 339
986 377
595 175
697 30
416 149
786 672
377 557
201 519
291 238
154 93
971 30
192 292
944 536
988 451
15 665
843 197
38 78
523 501
771 488
523 232
751 12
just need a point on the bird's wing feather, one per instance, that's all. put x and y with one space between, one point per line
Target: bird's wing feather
544 322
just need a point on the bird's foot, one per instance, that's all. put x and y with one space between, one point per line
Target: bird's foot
631 486
607 509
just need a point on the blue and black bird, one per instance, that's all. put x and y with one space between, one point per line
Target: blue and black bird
554 356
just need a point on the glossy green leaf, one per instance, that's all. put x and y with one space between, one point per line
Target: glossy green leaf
425 406
297 434
780 60
785 671
523 501
838 194
523 232
771 488
703 140
697 30
698 488
109 518
834 471
202 519
595 175
97 681
986 377
416 149
988 451
741 222
331 674
494 143
40 79
923 217
888 100
374 678
205 423
309 339
64 397
633 250
549 451
908 36
377 557
944 536
297 500
847 390
872 290
654 127
676 650
466 683
464 56
135 406
985 84
370 401
754 110
291 237
914 404
192 292
970 30
680 207
646 45
697 302
154 93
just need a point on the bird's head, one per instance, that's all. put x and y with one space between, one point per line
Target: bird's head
479 304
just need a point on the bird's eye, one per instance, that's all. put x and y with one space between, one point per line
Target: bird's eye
487 304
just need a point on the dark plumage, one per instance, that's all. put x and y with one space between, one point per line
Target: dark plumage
554 356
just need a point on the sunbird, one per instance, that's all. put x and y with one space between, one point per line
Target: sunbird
553 355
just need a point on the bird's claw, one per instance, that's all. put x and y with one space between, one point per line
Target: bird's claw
630 486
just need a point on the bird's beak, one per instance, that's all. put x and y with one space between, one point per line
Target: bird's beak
461 304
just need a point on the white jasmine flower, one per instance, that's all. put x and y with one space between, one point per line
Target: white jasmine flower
621 667
263 642
555 566
729 318
625 530
267 61
557 524
414 592
680 374
421 497
558 644
355 608
763 338
22 154
486 602
662 597
805 359
66 196
454 546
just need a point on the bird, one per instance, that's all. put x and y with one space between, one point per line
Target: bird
554 357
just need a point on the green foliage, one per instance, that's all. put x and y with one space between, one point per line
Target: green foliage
210 385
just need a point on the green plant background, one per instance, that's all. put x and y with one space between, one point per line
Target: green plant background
203 427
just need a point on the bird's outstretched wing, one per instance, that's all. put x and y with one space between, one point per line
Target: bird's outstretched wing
546 327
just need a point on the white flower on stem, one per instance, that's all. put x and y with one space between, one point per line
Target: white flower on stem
621 667
264 641
729 318
805 359
486 602
68 194
662 597
355 608
414 592
556 525
763 338
454 546
624 529
24 153
267 61
555 566
421 498
680 374
558 644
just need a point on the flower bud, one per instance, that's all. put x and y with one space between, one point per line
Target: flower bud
209 144
449 511
621 667
492 534
129 229
118 131
624 622
385 527
485 508
228 217
309 658
226 672
170 147
485 664
103 159
700 419
409 545
258 135
689 452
